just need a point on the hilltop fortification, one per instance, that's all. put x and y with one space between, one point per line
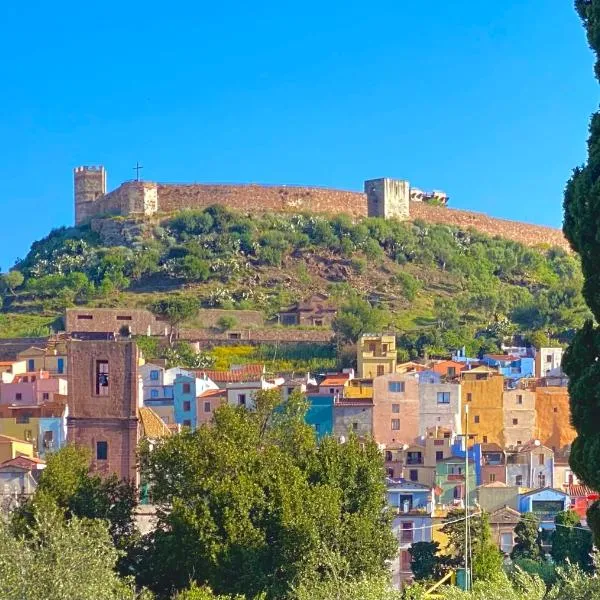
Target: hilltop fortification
387 198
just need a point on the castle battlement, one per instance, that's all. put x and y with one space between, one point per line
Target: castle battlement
384 197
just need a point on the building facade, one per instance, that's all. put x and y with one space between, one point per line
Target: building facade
395 409
376 355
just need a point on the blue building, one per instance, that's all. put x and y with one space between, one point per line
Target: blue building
184 401
511 366
320 414
52 433
412 505
544 503
475 455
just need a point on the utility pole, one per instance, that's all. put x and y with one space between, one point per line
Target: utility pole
467 524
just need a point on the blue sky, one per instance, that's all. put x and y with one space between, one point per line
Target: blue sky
489 101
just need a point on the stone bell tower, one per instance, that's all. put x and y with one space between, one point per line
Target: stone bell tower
89 185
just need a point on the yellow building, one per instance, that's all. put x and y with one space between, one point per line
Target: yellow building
52 359
553 417
359 389
482 391
11 447
376 355
10 368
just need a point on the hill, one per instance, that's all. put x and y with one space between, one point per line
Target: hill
438 286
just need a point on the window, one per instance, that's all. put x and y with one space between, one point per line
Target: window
519 443
48 439
395 424
187 423
439 455
519 480
515 421
60 365
154 375
28 435
317 427
354 426
469 396
187 388
396 386
541 460
395 408
405 560
153 393
18 396
549 358
457 492
123 318
45 396
541 480
485 439
85 317
388 455
372 347
234 336
438 442
31 365
290 391
380 370
413 475
22 419
492 477
331 391
242 399
451 371
318 322
102 378
390 473
187 406
406 533
519 399
101 450
476 419
506 542
207 407
443 397
414 458
555 409
384 348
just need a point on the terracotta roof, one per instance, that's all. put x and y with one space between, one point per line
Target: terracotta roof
243 373
354 402
491 448
502 357
580 491
481 369
337 379
212 393
153 426
495 484
505 514
23 462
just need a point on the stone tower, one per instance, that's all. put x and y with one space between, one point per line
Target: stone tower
89 185
388 198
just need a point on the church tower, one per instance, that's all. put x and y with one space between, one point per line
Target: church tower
89 185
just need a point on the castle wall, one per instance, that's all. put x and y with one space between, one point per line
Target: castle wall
262 198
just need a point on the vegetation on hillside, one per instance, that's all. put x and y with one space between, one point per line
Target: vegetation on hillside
439 287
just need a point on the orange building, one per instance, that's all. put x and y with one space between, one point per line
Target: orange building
483 395
448 368
553 417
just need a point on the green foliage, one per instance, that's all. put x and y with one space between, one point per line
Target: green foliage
182 354
527 542
175 310
487 558
410 285
227 322
10 281
262 523
425 563
356 317
541 568
205 593
63 560
570 542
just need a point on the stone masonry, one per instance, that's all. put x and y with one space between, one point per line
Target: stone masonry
387 198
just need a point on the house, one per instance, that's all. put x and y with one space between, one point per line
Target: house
410 367
376 355
440 405
449 369
104 398
563 475
242 393
519 416
511 366
207 402
236 374
18 480
450 479
544 503
11 447
153 428
44 425
412 506
53 358
32 389
297 384
334 384
553 417
502 523
315 311
320 414
493 468
548 362
530 466
481 391
582 497
10 368
353 412
492 496
158 381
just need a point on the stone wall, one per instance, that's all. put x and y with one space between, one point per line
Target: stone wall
211 337
139 320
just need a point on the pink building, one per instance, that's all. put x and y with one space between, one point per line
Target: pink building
32 389
207 402
395 409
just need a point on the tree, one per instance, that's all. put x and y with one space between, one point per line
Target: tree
357 317
62 560
487 558
425 563
582 214
175 310
261 524
227 322
527 544
571 542
12 280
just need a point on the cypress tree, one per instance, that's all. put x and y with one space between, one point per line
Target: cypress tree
582 228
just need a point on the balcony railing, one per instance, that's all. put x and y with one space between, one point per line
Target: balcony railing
456 477
414 461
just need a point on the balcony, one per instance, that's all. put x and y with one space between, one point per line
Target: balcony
456 477
414 460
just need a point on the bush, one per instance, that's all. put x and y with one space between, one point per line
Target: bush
227 322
